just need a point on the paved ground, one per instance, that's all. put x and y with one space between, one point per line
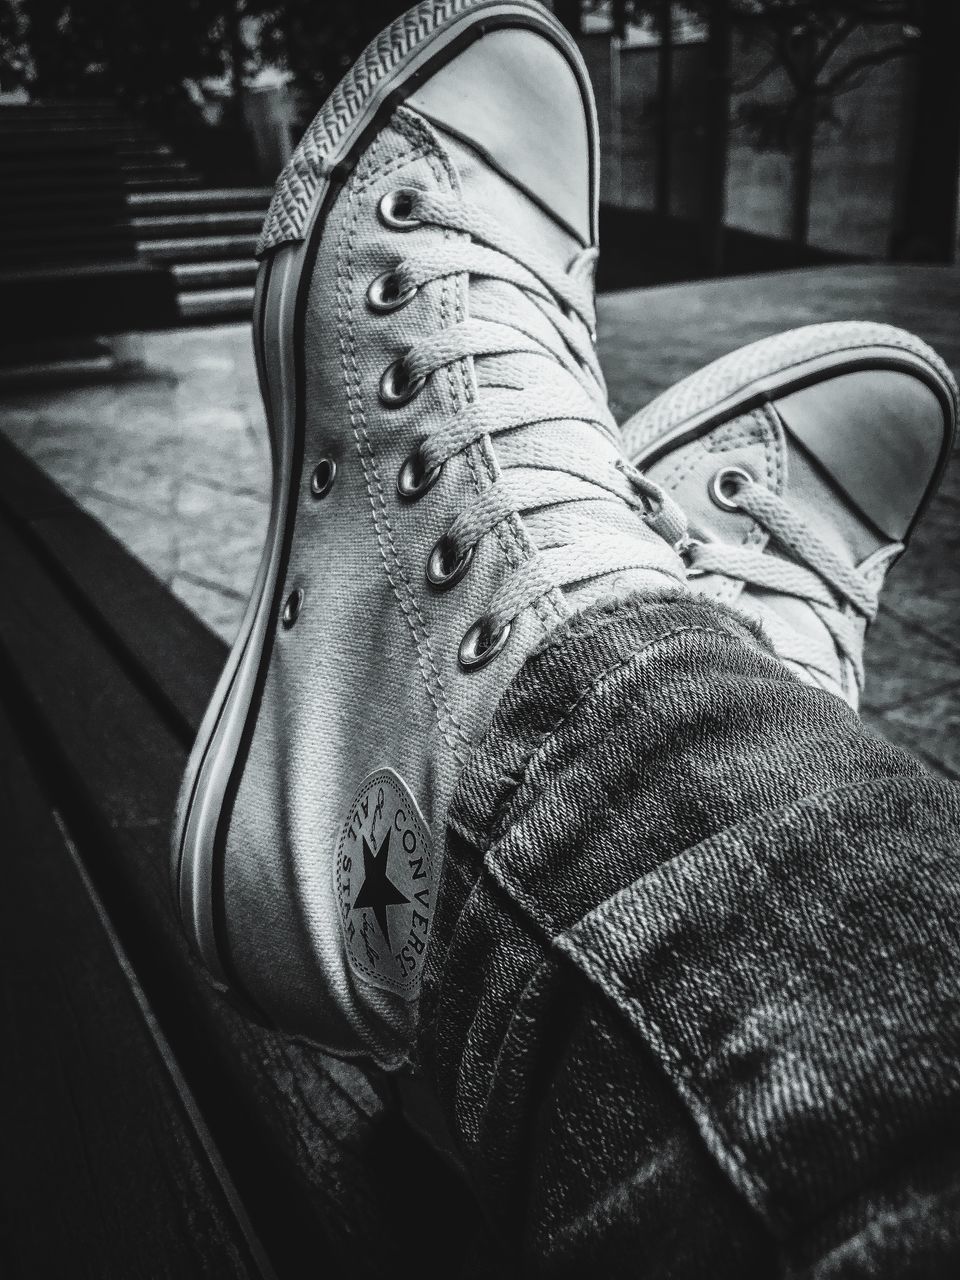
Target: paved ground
176 464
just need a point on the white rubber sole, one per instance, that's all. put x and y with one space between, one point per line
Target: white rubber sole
210 767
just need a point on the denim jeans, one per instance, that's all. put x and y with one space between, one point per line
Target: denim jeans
693 1004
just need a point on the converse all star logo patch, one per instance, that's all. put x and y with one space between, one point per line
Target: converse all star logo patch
384 884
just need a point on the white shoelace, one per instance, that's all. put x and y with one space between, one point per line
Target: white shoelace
554 477
814 574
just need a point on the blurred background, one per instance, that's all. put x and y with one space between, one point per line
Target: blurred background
139 141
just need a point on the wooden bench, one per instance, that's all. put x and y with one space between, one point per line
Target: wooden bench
149 1129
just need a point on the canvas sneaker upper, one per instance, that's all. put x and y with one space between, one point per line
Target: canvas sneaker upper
802 462
460 490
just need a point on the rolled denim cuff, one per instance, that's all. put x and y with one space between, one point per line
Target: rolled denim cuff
664 828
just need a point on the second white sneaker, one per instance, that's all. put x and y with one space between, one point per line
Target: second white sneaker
803 463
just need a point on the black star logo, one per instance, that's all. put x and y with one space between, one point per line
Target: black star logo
378 891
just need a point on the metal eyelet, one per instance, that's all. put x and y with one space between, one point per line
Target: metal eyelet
324 474
686 552
396 209
477 648
727 501
291 610
396 385
412 481
441 574
384 295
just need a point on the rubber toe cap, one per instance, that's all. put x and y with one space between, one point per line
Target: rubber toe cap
880 435
519 100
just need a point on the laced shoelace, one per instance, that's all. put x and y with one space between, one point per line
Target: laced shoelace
565 385
838 593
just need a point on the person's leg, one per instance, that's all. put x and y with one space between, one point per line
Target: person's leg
692 986
693 999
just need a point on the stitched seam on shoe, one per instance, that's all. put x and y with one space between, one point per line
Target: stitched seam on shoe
756 536
512 545
733 435
446 720
738 433
775 459
725 436
474 454
366 177
509 533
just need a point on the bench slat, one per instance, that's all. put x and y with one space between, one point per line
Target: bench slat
314 1146
85 1086
140 621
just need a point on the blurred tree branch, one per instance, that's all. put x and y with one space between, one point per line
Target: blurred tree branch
805 37
136 54
315 41
15 61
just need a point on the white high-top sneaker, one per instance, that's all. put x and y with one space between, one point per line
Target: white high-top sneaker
448 487
803 463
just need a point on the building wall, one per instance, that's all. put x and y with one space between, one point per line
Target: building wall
857 157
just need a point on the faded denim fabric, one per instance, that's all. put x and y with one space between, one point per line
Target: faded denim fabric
693 1003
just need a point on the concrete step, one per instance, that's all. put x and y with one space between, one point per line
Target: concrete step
198 248
175 182
221 222
45 374
72 129
204 199
42 364
144 150
152 166
12 118
216 304
88 108
56 163
231 274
